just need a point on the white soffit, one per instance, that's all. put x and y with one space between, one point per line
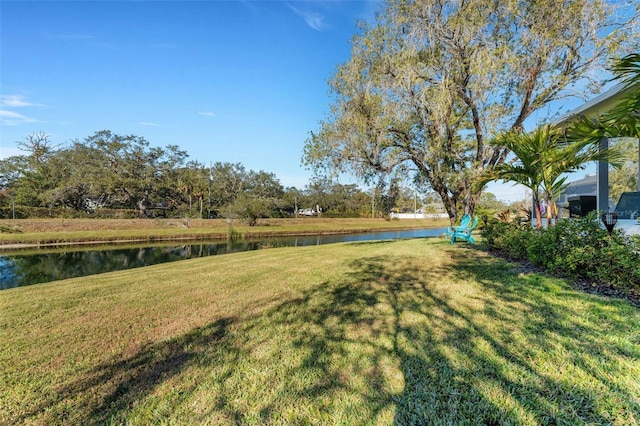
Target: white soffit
598 105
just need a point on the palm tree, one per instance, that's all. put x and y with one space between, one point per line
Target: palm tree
542 160
527 169
567 156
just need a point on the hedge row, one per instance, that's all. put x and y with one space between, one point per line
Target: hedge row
22 212
577 248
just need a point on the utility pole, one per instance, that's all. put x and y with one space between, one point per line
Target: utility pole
210 182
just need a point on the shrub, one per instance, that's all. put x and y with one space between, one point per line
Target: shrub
508 238
8 229
578 248
250 208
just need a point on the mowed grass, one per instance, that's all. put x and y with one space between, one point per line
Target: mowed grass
393 332
57 231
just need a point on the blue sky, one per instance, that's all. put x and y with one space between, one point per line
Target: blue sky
232 81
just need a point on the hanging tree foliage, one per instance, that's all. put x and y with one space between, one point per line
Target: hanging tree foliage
432 80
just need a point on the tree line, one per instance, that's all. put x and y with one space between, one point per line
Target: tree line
108 174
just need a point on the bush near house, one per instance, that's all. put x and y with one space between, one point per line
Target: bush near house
577 248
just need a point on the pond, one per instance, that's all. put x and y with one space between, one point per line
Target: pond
26 268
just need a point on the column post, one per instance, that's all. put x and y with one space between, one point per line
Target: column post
602 185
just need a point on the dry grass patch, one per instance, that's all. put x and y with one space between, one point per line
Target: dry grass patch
405 332
60 231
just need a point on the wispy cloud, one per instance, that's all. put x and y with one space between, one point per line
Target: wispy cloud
313 19
81 39
71 36
148 123
250 4
16 101
167 45
10 118
207 113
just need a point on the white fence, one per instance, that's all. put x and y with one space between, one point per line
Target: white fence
418 216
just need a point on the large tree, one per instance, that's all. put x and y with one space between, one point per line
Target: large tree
28 176
124 170
432 80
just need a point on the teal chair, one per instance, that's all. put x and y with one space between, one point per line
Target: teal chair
460 233
464 224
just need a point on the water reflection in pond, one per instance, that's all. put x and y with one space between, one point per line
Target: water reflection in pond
40 266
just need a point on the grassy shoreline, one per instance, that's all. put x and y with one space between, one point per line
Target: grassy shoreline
45 232
405 332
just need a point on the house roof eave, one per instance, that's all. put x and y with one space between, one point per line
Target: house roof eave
598 105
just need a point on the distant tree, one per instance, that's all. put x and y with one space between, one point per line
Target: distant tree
74 184
191 185
263 184
489 201
12 169
38 146
410 199
30 173
128 171
334 198
625 178
389 196
168 173
228 182
292 199
250 208
351 200
319 192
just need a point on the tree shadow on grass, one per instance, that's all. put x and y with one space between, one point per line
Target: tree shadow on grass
457 339
559 355
130 380
483 355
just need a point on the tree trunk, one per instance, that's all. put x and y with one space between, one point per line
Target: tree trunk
471 201
451 206
142 204
536 202
142 209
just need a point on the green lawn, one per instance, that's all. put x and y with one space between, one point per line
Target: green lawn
402 332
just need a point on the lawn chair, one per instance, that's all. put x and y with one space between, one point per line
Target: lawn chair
464 233
464 224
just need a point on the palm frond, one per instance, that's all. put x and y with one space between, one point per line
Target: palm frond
627 69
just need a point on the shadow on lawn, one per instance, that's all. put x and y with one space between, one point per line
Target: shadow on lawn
488 357
461 341
132 379
548 359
